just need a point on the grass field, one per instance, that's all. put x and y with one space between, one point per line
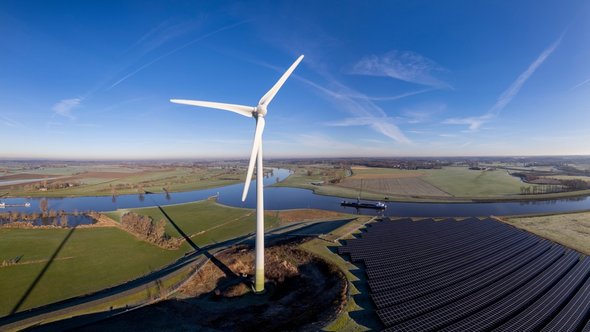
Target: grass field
205 222
104 180
91 259
571 230
100 257
449 184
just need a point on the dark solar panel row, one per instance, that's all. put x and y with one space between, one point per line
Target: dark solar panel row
436 319
450 258
493 315
471 275
575 313
436 247
537 314
431 301
436 277
414 234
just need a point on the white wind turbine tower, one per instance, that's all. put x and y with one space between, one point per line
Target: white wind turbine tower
257 112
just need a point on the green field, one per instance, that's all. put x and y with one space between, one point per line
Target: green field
449 184
462 182
99 257
205 222
96 258
92 259
106 180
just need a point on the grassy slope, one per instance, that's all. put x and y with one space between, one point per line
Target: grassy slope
320 247
92 259
206 221
571 230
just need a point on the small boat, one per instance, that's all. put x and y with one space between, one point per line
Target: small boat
363 205
360 205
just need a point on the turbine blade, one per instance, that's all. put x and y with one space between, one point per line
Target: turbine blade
240 109
255 145
267 98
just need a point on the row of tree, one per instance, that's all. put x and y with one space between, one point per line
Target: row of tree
542 189
51 217
146 228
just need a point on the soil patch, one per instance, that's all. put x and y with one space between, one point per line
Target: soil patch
303 292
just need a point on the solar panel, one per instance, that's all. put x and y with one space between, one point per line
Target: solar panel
470 275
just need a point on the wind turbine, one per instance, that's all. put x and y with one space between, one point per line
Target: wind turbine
257 112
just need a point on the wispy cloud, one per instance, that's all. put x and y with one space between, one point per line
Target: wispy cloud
9 122
402 65
581 84
165 55
396 97
506 97
473 123
65 107
364 111
163 33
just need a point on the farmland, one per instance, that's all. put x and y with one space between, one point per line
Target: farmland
447 184
90 260
112 179
95 258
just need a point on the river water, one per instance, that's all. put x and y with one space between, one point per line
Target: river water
282 198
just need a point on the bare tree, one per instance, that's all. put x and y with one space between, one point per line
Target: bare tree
43 205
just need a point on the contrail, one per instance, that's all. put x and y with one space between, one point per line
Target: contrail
174 51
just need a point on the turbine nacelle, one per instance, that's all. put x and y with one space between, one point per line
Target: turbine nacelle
260 110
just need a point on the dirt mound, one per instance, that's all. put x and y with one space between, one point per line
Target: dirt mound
303 292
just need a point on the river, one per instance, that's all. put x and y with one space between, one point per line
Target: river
282 198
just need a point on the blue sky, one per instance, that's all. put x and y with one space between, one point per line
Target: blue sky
92 80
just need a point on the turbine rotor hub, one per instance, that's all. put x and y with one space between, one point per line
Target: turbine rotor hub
260 110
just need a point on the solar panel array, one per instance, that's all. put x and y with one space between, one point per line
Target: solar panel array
471 275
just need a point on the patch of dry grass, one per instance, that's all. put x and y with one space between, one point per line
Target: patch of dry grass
287 216
571 230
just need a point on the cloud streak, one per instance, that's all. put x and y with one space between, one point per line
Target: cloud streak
9 122
581 84
506 97
364 111
65 107
402 65
165 55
